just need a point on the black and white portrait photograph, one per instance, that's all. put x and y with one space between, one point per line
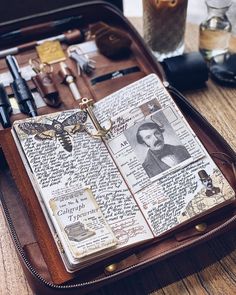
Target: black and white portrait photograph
156 144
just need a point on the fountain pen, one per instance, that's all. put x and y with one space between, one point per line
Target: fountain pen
20 88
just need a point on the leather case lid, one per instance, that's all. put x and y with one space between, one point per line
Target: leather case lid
31 242
14 9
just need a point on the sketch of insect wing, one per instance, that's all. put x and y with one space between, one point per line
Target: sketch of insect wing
31 128
75 122
50 134
79 117
40 130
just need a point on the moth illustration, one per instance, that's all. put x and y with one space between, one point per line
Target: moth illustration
57 130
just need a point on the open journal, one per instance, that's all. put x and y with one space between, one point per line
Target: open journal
147 176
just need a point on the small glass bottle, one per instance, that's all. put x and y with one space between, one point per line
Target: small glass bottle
215 30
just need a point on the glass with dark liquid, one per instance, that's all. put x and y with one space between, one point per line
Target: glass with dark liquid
164 26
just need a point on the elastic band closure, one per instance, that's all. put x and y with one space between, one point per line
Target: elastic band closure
114 75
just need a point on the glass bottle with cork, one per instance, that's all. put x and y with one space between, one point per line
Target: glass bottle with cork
215 31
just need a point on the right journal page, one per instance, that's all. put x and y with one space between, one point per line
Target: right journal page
167 169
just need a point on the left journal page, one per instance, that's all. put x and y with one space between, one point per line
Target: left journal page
63 162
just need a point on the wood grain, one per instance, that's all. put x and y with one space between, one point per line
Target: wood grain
208 269
12 279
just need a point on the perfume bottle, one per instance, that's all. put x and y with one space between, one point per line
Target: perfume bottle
215 30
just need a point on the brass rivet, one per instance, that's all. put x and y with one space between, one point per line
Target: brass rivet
112 37
111 267
201 227
173 3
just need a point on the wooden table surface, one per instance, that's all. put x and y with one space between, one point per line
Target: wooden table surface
208 269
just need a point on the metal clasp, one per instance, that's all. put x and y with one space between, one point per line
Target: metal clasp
87 103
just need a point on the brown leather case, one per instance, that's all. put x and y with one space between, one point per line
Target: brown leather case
27 225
